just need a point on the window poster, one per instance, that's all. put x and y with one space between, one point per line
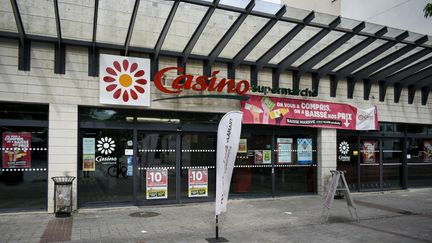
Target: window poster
427 150
266 156
16 151
368 151
89 150
258 157
157 183
242 146
284 148
198 182
304 151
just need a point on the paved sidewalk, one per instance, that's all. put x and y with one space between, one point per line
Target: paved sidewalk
399 216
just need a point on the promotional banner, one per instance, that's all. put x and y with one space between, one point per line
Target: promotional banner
16 150
157 184
229 130
307 113
198 182
304 151
124 80
368 151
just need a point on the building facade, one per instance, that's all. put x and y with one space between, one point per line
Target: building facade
50 87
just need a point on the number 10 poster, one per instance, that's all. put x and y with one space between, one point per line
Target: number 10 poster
157 184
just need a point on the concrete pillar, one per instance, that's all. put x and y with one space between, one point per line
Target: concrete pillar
62 147
327 156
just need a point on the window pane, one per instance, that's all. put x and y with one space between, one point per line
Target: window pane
113 21
198 159
23 111
76 19
24 168
252 170
347 152
103 171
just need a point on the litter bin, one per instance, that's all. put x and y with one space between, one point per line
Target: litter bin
63 195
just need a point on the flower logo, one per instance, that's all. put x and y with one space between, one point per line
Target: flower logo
106 145
344 148
125 80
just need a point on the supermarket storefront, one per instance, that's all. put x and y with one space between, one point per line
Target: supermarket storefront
128 101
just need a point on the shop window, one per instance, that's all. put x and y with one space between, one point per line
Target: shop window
416 129
93 114
252 170
24 157
347 158
419 162
17 111
104 166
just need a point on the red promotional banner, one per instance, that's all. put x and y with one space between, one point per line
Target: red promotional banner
307 113
16 150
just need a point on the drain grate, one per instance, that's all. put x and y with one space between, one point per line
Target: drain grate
144 214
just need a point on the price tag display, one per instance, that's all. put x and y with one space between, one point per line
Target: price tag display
198 182
157 184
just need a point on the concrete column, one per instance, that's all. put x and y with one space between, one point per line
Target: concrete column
327 156
62 147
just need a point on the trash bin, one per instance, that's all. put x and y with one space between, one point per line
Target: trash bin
63 195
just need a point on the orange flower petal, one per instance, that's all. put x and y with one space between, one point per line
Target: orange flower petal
117 93
133 67
111 71
111 87
139 89
139 73
133 94
117 66
109 79
125 96
125 64
141 81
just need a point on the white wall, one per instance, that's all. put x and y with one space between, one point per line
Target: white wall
402 14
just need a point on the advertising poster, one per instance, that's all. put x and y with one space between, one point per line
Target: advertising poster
242 146
16 150
266 156
157 184
258 157
368 151
198 182
284 148
427 149
89 162
89 150
304 151
307 113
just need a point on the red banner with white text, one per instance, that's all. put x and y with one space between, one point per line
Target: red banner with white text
307 113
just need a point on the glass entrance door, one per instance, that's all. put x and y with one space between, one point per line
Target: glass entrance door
157 164
380 163
392 163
